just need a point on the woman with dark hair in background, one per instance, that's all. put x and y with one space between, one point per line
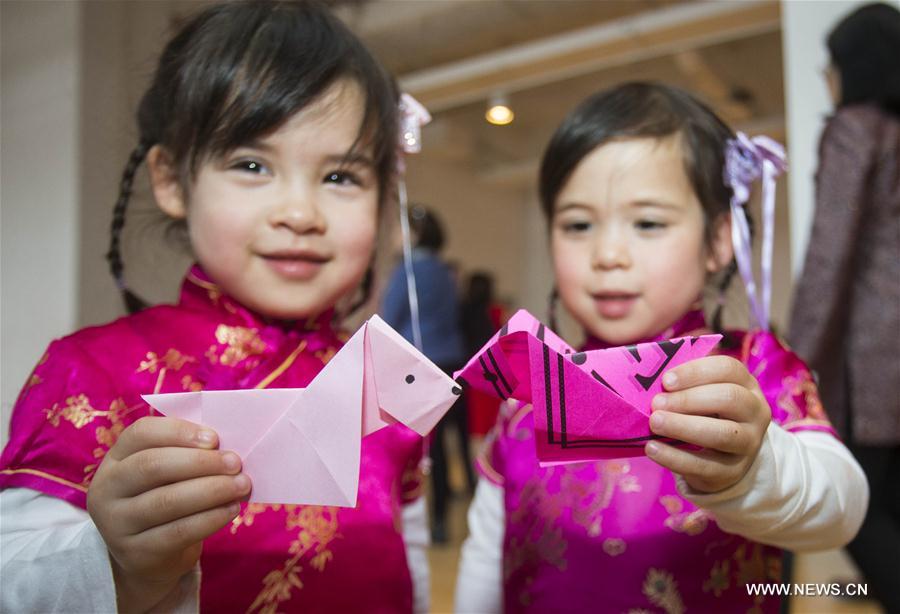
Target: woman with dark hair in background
846 313
442 341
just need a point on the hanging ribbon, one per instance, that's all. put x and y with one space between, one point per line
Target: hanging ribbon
412 117
747 160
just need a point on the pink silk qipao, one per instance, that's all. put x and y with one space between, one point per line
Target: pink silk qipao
86 390
616 535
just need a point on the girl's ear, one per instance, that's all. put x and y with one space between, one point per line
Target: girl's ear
721 249
165 183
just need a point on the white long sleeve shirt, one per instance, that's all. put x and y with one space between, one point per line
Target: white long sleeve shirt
54 559
804 491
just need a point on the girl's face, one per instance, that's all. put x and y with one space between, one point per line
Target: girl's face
285 224
628 241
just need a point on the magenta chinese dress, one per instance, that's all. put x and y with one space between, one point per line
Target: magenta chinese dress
615 535
86 390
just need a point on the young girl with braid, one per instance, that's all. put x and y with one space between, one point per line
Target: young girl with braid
634 187
271 132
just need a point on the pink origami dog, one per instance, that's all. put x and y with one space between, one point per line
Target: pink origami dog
376 379
587 405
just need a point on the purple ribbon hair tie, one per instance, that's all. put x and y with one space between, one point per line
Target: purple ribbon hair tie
746 160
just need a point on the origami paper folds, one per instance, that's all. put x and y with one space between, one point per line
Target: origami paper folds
587 405
302 445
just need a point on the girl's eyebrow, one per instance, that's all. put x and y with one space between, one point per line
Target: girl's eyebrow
351 158
659 204
360 159
573 205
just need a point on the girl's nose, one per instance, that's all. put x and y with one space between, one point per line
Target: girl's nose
610 252
298 212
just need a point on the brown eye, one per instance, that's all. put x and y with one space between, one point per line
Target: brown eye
254 167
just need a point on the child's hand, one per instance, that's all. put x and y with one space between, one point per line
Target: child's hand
715 403
160 490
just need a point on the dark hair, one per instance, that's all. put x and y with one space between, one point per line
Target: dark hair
480 288
645 110
865 49
238 71
428 228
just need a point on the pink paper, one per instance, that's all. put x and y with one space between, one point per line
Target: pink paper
302 445
587 405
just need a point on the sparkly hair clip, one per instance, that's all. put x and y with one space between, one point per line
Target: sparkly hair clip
746 160
412 117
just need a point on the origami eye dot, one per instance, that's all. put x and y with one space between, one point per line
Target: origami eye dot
410 378
579 358
456 390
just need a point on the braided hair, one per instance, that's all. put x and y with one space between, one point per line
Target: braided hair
236 72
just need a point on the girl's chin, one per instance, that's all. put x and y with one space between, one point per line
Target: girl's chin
619 332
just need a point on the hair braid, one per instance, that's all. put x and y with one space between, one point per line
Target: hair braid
551 311
720 302
114 256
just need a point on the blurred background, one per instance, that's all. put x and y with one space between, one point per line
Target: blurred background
72 74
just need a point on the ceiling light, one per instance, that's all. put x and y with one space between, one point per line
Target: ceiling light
498 111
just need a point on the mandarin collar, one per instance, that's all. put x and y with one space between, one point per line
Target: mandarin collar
198 291
690 322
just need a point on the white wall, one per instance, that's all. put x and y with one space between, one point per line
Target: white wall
805 25
483 222
39 183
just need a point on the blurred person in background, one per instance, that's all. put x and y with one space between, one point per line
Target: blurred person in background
846 315
442 341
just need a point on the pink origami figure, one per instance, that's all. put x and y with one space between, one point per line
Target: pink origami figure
587 405
302 445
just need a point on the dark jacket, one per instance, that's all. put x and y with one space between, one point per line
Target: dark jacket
845 319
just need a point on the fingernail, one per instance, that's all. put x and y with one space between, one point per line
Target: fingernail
659 402
657 420
231 461
652 449
206 437
670 379
242 482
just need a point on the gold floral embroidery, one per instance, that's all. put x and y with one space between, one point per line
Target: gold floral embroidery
543 541
241 343
188 383
691 523
317 527
751 567
718 581
749 563
662 590
249 513
802 387
326 355
172 360
36 379
614 546
79 412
